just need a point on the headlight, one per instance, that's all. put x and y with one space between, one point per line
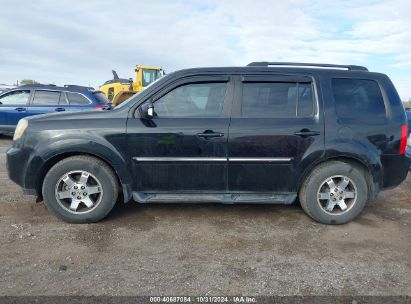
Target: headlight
409 141
21 127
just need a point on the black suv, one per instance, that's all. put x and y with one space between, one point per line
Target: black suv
332 136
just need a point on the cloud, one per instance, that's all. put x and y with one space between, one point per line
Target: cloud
80 42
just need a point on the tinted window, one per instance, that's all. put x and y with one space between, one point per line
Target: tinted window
150 76
76 99
357 98
102 99
277 99
63 99
15 97
46 98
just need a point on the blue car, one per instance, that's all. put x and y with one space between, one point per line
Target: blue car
409 136
37 99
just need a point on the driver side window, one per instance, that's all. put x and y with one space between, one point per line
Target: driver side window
192 100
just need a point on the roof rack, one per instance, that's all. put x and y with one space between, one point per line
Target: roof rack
322 65
78 87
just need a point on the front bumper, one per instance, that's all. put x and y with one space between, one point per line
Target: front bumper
408 154
396 168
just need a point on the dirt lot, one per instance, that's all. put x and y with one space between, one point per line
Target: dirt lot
203 249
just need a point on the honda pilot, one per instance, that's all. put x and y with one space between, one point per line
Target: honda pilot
28 100
330 136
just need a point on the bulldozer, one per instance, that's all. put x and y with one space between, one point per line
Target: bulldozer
118 89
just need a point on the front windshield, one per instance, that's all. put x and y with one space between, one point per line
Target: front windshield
101 98
149 76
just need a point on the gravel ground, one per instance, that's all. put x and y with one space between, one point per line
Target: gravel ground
203 249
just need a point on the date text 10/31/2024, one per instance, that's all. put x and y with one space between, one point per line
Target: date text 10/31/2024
203 299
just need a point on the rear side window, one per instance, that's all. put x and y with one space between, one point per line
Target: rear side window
76 99
356 98
46 98
15 98
277 99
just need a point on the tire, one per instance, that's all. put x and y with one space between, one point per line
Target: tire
316 194
65 182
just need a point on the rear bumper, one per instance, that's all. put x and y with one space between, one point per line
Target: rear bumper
409 157
30 192
17 160
395 169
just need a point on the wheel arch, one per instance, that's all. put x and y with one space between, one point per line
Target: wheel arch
372 173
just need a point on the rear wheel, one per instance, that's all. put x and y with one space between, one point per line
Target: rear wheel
80 189
334 193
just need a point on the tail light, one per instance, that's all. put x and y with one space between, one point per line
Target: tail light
98 107
403 141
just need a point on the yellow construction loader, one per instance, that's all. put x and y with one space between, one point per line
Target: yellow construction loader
145 75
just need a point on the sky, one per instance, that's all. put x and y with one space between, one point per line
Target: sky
80 42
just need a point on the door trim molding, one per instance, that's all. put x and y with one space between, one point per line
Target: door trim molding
213 159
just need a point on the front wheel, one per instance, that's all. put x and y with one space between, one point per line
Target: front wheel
80 189
334 193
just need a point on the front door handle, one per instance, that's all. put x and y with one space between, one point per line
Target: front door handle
60 109
210 134
307 133
20 109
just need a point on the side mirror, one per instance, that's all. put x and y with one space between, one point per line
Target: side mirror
147 110
150 111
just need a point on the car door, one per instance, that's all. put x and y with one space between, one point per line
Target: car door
276 132
78 101
47 101
184 147
13 107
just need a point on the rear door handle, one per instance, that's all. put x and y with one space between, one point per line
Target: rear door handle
20 109
210 134
306 133
60 109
